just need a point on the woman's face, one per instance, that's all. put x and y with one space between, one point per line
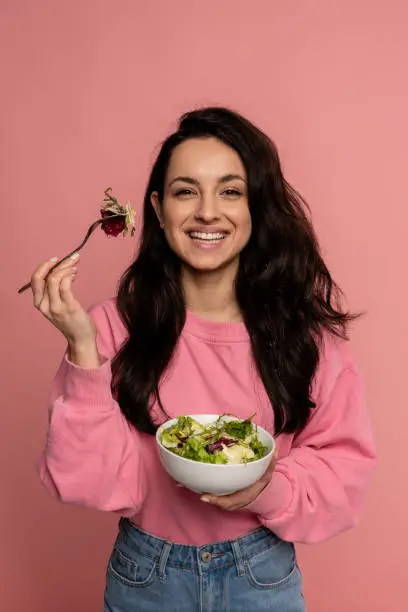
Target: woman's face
204 213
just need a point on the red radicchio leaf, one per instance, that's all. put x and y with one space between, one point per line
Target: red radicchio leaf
216 446
114 226
182 438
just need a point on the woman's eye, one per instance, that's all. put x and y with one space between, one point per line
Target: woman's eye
183 192
232 192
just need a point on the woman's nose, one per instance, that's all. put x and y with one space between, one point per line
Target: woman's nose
207 209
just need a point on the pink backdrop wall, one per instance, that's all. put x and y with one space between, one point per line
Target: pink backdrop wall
88 89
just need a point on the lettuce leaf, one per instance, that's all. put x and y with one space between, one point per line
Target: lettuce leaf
238 429
208 444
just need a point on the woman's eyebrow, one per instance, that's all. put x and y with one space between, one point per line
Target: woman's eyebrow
185 179
232 177
193 181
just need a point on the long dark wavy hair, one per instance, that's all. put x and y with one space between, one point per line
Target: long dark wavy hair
285 292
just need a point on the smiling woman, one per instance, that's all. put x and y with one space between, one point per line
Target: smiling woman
227 308
204 211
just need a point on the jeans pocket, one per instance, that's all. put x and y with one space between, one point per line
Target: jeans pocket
273 568
135 571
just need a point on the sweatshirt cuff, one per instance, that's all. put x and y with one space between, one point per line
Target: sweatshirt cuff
275 499
88 387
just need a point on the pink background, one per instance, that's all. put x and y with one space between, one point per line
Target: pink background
88 90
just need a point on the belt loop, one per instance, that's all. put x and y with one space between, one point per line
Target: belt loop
164 555
239 560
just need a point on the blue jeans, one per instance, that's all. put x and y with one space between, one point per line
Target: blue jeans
250 574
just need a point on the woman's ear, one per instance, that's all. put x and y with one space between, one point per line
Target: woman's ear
154 198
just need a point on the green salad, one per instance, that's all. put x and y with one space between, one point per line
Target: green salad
223 441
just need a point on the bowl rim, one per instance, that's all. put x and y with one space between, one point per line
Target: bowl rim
168 423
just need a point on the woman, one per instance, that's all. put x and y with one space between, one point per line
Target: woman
228 307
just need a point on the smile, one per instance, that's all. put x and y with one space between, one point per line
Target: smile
208 237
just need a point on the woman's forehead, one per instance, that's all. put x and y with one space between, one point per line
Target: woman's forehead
205 159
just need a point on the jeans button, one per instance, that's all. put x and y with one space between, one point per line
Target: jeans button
206 557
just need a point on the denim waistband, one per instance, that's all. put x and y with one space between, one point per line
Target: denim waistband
199 559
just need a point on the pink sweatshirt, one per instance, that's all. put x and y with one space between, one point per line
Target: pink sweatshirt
93 458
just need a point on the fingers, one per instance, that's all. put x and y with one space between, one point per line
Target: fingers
271 466
46 285
38 280
65 289
235 501
232 501
225 502
58 285
274 461
241 499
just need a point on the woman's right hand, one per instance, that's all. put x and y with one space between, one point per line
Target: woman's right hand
53 297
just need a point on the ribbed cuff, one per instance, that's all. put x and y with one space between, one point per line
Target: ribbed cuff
89 387
274 499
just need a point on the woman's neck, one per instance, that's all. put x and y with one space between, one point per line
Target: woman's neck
211 295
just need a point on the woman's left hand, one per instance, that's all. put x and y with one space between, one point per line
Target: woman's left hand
240 499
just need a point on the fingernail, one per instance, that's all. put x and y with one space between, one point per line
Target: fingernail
206 500
75 256
54 259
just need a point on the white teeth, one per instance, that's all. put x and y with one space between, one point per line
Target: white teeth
207 236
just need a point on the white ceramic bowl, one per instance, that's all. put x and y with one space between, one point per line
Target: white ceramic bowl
218 479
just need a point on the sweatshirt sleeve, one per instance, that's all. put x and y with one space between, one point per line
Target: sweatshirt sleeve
317 491
92 456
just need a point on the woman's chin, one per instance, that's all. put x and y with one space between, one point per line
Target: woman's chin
209 265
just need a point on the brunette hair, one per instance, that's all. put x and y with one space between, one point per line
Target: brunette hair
285 291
